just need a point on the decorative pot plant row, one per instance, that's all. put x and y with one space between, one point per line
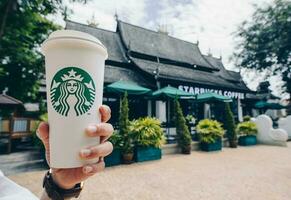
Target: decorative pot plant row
143 143
148 138
247 132
210 133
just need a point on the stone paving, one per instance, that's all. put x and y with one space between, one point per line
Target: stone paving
245 173
19 162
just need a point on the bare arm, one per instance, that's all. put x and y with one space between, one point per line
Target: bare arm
68 178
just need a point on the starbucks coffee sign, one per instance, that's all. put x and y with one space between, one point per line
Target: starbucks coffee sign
72 91
199 90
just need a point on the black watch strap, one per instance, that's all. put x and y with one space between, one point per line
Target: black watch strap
56 193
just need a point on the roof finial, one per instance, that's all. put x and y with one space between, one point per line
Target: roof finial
220 55
5 90
209 52
197 42
93 22
116 15
163 28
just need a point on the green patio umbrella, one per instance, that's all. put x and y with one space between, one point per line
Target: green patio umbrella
210 96
171 92
266 105
167 93
125 86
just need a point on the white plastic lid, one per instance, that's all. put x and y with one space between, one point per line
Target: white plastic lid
72 34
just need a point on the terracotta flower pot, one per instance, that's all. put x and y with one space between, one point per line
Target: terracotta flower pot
186 149
127 158
232 144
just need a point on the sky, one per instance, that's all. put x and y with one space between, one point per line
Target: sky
210 22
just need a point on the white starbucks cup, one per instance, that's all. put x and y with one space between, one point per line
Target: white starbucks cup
74 65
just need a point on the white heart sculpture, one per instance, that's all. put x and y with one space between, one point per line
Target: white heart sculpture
268 135
285 123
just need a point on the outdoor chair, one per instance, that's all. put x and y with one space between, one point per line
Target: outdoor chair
285 123
5 127
268 135
16 128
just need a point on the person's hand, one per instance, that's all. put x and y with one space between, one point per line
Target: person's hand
68 178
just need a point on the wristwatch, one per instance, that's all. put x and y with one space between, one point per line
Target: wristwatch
56 193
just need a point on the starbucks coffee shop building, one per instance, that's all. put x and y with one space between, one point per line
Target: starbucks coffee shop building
155 60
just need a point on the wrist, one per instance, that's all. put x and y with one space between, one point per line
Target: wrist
59 181
58 190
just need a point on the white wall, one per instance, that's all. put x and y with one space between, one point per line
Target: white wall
161 111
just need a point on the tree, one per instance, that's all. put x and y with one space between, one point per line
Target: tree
24 30
23 27
183 134
10 7
265 41
127 146
229 126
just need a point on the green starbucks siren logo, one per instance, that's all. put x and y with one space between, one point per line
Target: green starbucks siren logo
72 91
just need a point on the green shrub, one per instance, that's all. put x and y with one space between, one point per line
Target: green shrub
247 118
44 117
209 131
246 128
183 134
190 119
147 132
229 126
116 140
127 142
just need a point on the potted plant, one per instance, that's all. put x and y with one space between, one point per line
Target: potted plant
210 133
190 121
148 137
115 157
247 132
229 126
183 134
126 140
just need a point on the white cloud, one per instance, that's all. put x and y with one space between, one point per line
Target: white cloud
104 10
212 22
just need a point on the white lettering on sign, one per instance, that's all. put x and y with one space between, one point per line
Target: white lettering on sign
199 90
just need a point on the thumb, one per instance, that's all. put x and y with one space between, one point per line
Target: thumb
43 134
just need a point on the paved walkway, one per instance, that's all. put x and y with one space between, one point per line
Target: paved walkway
19 162
246 173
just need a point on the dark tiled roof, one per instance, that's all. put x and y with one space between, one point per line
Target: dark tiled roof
149 42
110 39
8 100
186 74
113 74
153 43
234 75
226 74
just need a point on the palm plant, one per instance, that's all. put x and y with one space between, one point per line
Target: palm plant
147 132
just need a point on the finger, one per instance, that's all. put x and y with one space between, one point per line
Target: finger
43 134
92 169
104 138
43 131
82 173
102 129
105 112
100 150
